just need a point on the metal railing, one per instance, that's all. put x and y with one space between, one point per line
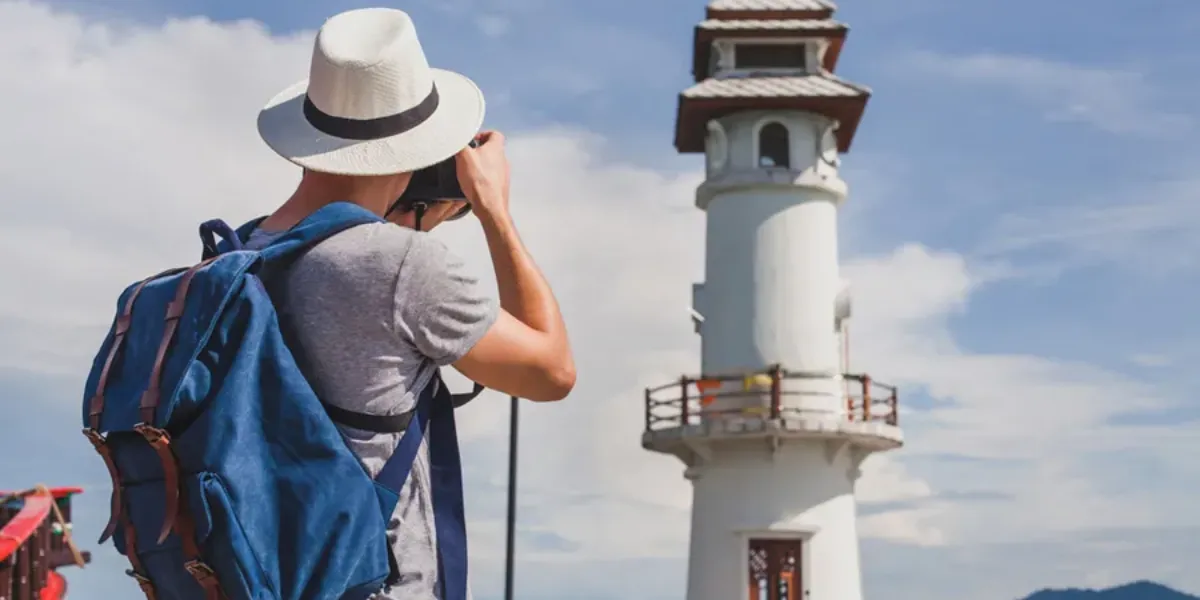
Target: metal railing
35 540
690 400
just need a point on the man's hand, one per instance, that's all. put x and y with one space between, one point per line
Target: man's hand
526 352
483 174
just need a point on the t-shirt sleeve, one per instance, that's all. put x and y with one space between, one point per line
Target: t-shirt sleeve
439 306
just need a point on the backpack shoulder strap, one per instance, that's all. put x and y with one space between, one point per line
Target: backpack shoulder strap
461 399
326 222
323 223
434 415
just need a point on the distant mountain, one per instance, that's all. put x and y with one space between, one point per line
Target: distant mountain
1141 590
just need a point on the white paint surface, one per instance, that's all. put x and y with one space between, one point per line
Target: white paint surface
746 492
773 294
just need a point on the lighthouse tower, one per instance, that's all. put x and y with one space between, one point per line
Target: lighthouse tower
775 428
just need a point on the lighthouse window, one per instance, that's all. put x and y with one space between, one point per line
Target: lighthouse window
773 146
770 56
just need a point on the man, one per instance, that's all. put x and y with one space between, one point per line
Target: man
378 308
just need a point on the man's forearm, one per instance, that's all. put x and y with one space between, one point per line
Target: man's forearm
524 292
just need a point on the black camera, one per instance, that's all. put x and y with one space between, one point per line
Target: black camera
437 183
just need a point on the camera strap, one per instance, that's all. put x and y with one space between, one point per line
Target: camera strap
417 207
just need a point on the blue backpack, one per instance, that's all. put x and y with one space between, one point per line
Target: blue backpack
230 479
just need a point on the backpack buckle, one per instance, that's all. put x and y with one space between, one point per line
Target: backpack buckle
144 583
95 437
206 577
160 440
199 570
153 435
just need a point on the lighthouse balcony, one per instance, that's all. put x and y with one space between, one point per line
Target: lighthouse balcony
775 404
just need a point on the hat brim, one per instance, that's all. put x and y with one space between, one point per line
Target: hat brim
452 126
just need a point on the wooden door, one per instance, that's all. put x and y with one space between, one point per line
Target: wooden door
774 568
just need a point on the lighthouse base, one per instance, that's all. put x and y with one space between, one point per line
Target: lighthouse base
776 523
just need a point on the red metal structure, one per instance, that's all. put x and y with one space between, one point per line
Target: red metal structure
35 541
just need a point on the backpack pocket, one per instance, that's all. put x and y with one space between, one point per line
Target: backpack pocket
217 528
264 545
235 566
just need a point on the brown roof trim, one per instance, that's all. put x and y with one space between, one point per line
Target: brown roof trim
693 115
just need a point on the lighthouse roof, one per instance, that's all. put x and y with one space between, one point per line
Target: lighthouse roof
770 9
810 86
772 25
824 94
771 5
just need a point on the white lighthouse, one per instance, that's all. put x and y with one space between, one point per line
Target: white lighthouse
775 428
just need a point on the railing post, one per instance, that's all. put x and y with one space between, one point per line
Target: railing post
683 397
866 387
894 405
647 409
776 391
849 396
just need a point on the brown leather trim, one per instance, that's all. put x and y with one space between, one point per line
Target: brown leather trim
96 404
150 398
193 562
138 572
96 408
161 442
158 438
114 511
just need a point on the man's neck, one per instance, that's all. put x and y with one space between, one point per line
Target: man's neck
309 198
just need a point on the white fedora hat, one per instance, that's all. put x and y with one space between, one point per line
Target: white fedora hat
372 105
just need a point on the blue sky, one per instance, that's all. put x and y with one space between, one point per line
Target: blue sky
1022 233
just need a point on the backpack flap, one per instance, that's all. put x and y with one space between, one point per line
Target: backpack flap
135 387
161 325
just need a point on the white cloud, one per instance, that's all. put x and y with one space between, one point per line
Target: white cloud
1115 100
1039 419
493 25
1151 360
130 136
1146 229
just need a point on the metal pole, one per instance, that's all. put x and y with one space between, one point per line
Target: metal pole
512 498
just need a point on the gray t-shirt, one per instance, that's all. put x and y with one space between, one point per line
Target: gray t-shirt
376 310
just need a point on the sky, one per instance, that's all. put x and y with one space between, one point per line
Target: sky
1021 234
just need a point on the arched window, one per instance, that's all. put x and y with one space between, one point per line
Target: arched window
773 146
